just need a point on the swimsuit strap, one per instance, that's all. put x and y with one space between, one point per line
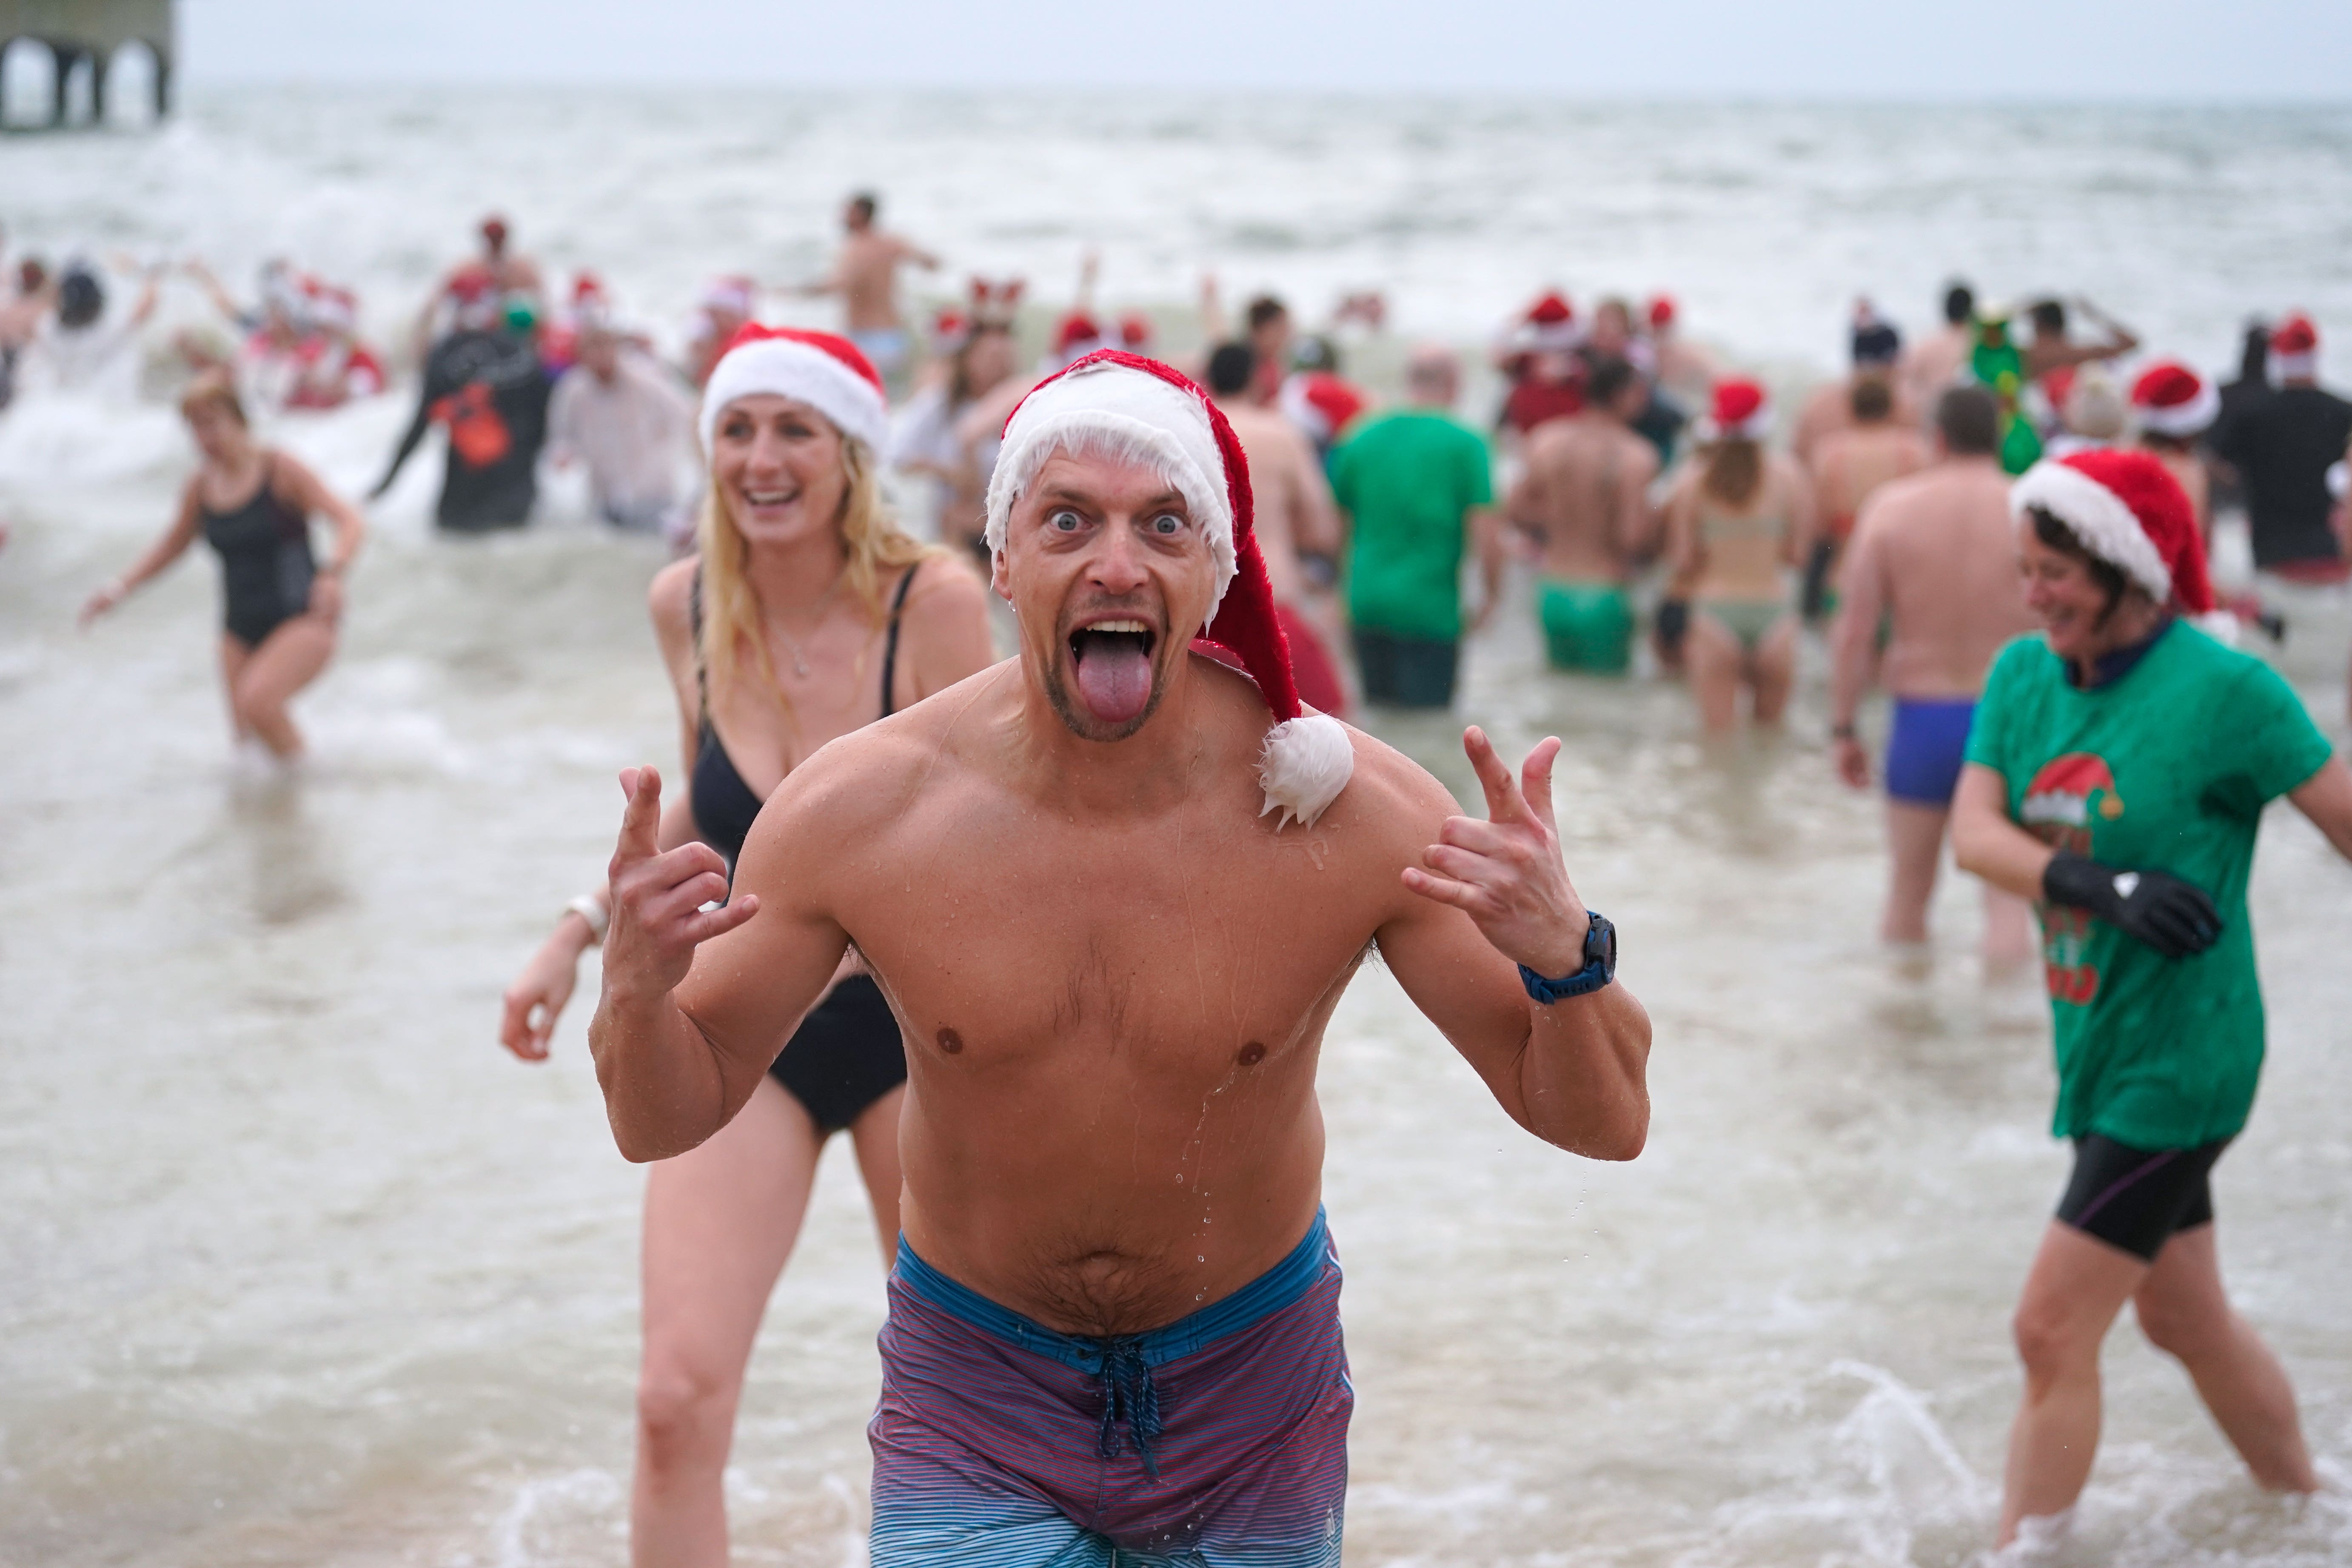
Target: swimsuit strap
890 644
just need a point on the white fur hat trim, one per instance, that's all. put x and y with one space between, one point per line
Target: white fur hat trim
2096 516
1120 412
782 368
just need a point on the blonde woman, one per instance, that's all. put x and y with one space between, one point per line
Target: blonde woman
806 615
254 505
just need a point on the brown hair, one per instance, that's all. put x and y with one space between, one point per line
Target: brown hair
214 388
1735 471
871 540
1872 399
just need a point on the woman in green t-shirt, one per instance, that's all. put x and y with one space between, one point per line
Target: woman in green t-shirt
2117 772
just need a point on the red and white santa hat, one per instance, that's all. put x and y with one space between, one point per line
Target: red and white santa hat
2171 399
1741 411
951 330
2128 509
1321 404
1075 335
827 372
2295 350
1548 327
1123 405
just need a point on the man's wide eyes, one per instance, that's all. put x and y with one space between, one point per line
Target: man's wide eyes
1066 520
1167 523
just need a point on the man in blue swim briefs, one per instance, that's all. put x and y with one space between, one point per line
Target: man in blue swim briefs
865 275
1113 889
1928 592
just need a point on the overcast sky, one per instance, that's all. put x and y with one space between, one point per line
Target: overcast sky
2262 51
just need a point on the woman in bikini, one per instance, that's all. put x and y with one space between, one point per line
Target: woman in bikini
806 615
1739 524
253 505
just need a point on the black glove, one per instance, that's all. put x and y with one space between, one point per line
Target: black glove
2171 916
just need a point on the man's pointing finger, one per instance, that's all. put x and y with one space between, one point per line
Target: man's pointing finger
641 818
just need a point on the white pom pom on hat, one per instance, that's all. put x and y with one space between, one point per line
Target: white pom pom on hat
1123 404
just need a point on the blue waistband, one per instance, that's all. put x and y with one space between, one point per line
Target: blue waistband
1279 1286
1936 707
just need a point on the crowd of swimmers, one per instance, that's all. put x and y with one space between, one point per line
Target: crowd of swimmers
2093 745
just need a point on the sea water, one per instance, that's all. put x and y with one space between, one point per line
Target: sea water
297 1266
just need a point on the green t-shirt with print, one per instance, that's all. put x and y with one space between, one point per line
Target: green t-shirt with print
1406 479
2167 768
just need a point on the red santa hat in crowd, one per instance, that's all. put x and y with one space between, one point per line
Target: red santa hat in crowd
1662 312
827 372
2126 508
951 330
2170 399
1077 335
1321 404
1124 405
1548 326
2295 350
1741 411
1135 332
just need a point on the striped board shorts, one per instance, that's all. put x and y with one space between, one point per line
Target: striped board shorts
1220 1441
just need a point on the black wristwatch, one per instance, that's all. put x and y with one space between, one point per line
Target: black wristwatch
1600 966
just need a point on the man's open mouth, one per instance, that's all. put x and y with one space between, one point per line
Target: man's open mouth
1114 664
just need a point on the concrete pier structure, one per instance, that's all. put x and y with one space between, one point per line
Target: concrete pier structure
89 32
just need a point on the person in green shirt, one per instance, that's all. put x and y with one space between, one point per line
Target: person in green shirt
1417 486
2117 772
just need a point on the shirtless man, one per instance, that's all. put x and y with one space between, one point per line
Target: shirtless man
1935 558
1298 523
1848 465
865 275
1937 360
1114 1318
1875 347
1583 496
2052 349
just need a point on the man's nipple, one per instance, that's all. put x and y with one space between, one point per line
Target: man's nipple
1251 1054
951 1042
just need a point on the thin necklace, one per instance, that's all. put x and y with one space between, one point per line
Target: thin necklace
800 659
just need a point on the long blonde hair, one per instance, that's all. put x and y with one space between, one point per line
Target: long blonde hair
871 540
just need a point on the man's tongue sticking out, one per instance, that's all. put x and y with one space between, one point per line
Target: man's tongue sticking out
1114 670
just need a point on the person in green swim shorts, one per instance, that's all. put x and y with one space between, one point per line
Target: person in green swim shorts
1584 501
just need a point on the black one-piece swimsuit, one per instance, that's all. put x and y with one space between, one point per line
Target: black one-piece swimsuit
265 562
846 1054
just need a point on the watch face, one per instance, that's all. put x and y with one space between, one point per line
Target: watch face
1601 944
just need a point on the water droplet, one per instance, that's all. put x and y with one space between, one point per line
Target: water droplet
1203 1259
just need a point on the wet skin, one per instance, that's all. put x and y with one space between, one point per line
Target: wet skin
1113 972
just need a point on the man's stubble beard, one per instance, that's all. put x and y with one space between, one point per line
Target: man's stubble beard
1082 724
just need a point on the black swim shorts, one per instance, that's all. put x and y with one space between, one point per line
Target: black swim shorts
2137 1199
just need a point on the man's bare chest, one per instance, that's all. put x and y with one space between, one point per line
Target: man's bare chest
1022 947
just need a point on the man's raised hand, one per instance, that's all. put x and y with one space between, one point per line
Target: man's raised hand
657 914
1505 873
